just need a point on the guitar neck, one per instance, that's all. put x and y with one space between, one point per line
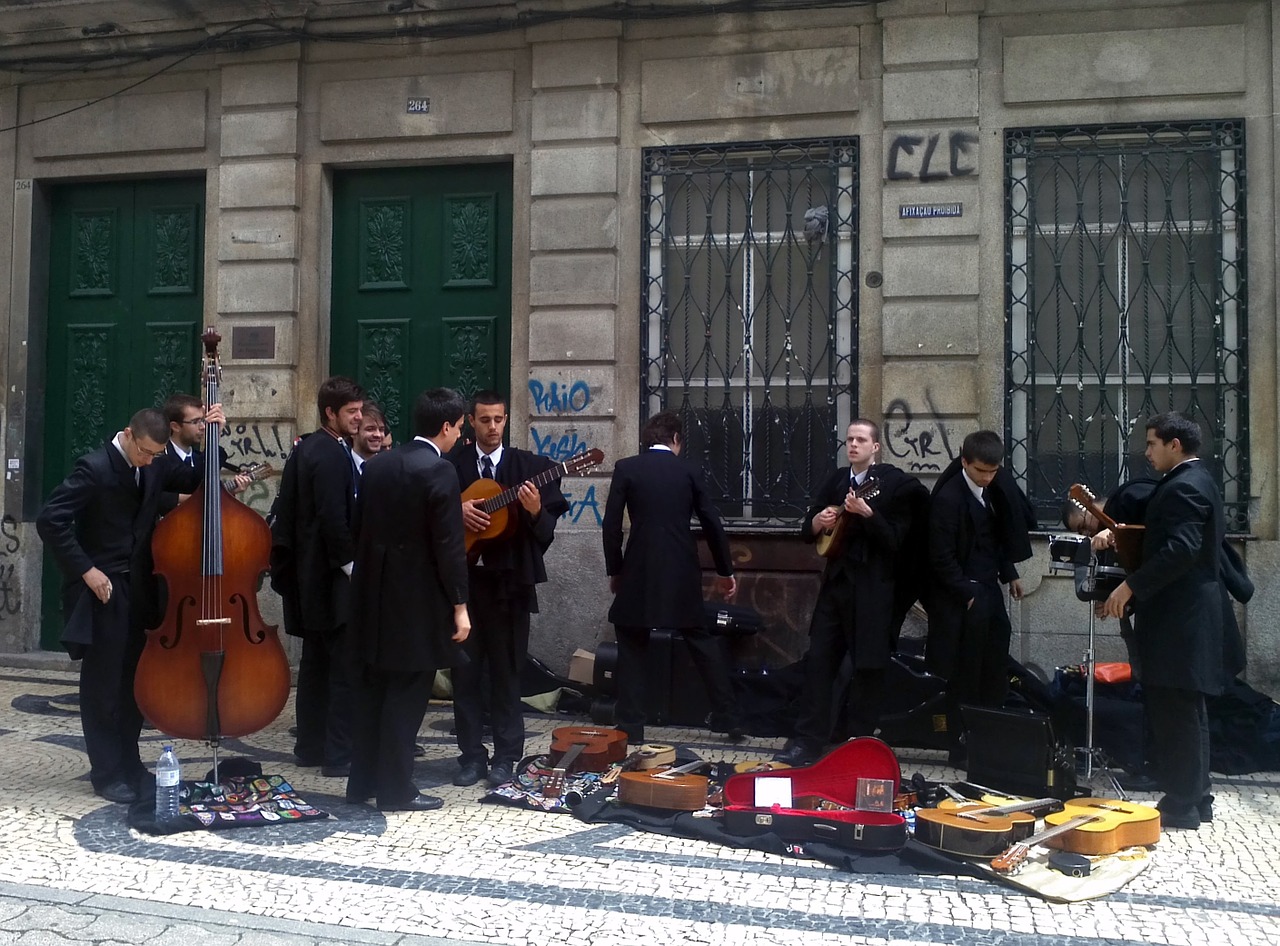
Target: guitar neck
508 495
1013 808
1017 852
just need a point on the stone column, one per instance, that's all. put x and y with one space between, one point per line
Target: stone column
257 258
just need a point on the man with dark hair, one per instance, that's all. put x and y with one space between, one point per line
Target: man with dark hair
98 525
854 616
976 533
311 562
657 581
187 424
409 599
503 582
1177 602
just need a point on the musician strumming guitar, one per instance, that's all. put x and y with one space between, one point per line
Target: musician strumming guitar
868 509
503 581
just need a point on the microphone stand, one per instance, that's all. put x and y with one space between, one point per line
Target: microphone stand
1092 754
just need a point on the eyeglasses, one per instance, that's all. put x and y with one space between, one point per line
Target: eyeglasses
197 422
153 454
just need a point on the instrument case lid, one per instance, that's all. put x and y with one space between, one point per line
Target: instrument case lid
834 777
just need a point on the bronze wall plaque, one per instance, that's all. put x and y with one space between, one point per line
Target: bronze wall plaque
253 341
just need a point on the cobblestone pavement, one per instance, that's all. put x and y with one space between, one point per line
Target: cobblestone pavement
71 871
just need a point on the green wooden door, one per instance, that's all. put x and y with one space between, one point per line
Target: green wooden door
422 282
125 312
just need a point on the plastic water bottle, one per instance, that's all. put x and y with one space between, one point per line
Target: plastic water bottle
168 779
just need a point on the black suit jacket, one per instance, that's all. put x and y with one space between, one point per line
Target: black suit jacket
869 557
952 534
411 563
660 577
96 518
168 498
518 558
1178 595
311 535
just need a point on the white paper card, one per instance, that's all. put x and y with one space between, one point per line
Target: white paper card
773 791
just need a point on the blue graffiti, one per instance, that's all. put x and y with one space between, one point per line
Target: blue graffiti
579 506
558 448
558 398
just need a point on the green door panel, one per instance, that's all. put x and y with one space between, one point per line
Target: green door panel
422 282
124 320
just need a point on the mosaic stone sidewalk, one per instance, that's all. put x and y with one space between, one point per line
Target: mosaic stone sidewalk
492 874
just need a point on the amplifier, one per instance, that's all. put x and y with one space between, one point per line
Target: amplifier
1015 751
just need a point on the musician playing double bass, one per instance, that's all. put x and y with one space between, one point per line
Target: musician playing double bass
98 524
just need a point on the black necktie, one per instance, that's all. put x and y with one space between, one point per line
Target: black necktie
137 478
486 468
191 460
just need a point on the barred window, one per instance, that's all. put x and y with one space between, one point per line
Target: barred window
749 314
1126 298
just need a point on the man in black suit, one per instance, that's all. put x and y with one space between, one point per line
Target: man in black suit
187 424
503 583
1177 601
976 533
98 524
855 615
311 561
409 599
657 581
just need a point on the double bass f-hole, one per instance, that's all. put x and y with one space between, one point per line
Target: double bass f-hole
213 669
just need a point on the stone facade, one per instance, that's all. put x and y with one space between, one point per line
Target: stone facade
928 88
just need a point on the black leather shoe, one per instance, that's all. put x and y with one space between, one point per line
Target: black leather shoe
500 774
119 792
1188 819
1204 807
798 752
336 771
419 802
469 774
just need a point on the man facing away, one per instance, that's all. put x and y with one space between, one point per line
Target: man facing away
409 599
503 592
971 535
657 581
854 615
98 525
312 554
1177 603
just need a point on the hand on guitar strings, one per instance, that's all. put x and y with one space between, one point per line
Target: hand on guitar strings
824 520
530 498
1106 539
473 517
855 505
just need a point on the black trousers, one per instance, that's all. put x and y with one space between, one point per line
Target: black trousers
109 715
323 703
832 637
708 658
1180 733
389 707
981 675
494 651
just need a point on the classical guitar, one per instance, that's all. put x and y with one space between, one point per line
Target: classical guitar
494 499
255 472
1113 826
670 789
831 542
1128 538
977 829
1116 825
599 748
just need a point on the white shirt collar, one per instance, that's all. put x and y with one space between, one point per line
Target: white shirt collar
495 457
973 487
430 444
662 446
177 448
119 445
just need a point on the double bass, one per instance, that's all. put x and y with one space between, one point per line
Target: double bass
212 669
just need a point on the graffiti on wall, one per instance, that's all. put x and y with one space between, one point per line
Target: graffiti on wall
917 437
10 586
916 157
586 504
559 397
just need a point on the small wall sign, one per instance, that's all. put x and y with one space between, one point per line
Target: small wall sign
418 106
253 341
922 211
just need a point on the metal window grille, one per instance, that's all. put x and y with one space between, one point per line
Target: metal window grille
749 314
1126 297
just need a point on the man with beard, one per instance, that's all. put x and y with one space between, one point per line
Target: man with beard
311 561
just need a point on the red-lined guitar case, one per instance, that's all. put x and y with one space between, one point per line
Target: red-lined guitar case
857 774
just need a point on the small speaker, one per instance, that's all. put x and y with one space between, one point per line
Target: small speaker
1015 751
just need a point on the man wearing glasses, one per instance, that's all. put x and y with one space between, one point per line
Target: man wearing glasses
187 424
98 524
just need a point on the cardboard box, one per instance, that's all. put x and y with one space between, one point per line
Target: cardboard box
582 667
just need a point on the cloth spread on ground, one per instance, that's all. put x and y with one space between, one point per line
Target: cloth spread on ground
235 802
589 798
